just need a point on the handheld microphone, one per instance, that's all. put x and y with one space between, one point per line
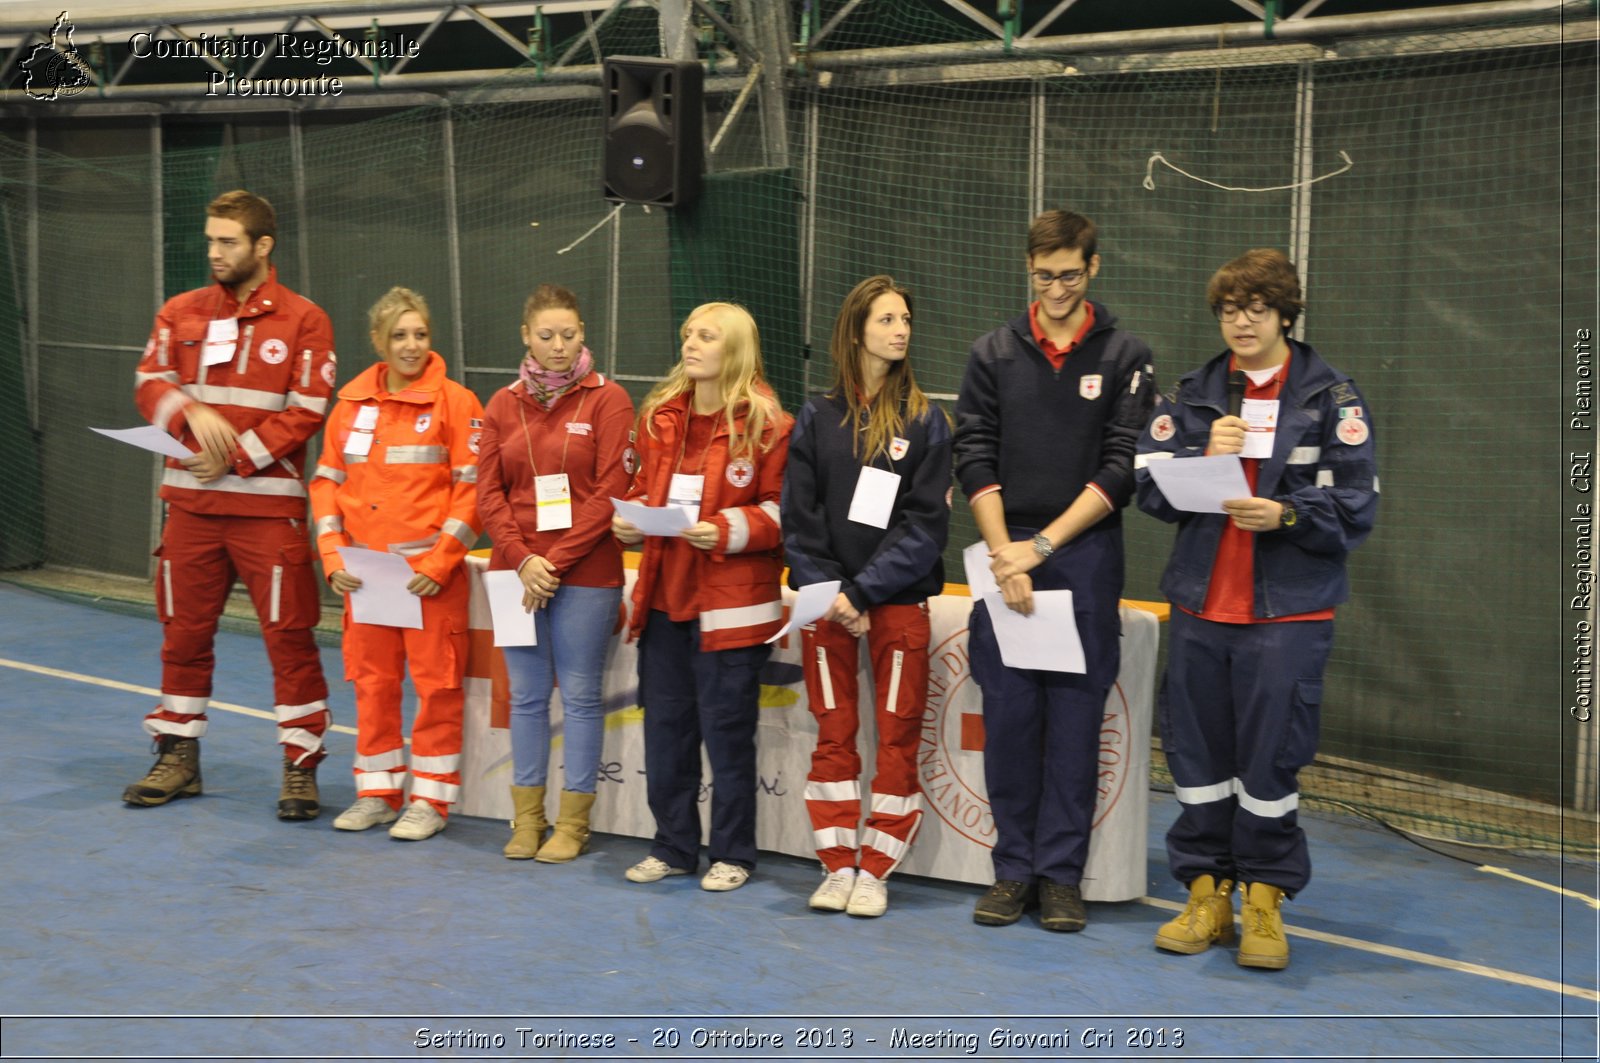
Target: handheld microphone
1235 392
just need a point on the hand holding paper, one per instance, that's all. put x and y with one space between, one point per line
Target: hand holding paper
382 598
1200 485
652 520
810 603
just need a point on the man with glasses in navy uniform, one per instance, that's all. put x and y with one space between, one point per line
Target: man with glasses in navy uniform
1253 590
1048 418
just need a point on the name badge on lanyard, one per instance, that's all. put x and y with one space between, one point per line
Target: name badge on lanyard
873 501
222 336
1262 417
685 492
554 497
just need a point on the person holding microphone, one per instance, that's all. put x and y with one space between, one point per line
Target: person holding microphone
864 503
712 440
555 451
398 473
1253 590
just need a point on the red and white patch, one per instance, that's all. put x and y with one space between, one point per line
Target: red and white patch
740 472
1162 428
423 421
150 347
328 370
898 448
1353 431
1089 386
274 351
472 441
630 461
579 428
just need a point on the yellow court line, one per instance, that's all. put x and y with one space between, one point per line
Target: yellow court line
1314 935
1507 873
1430 960
78 677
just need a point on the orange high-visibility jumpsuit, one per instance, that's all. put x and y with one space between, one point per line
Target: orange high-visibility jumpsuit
409 488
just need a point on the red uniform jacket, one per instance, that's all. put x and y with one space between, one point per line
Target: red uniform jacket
274 391
585 434
740 601
414 493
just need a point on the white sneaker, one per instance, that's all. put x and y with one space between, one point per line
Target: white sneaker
420 821
869 898
366 812
724 877
834 893
652 869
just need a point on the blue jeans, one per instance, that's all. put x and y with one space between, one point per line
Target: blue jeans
574 631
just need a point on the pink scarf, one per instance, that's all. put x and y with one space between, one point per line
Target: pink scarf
546 386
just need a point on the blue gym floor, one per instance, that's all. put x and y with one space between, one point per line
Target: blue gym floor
207 929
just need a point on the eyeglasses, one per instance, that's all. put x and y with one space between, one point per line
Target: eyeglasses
1069 277
1256 311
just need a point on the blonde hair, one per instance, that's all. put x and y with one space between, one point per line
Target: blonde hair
743 383
883 417
389 308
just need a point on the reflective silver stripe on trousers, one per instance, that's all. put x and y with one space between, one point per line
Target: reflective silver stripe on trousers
277 593
825 678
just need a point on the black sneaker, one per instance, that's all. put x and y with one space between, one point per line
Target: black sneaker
1004 904
1061 908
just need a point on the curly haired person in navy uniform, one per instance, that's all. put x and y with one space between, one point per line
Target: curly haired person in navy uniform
1253 591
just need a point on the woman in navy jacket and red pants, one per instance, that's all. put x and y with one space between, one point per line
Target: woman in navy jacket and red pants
864 503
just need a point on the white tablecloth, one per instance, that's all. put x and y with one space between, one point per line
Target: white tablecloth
957 829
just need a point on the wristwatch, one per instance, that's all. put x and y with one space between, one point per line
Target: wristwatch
1042 547
1289 516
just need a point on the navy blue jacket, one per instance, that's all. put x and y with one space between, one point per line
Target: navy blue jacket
897 565
1044 434
1332 485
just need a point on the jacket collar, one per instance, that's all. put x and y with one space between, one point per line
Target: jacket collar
1104 320
372 383
1308 375
269 296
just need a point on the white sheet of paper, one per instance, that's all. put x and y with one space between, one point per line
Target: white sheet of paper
382 598
873 501
980 578
810 602
513 625
1200 485
1262 417
652 520
1047 640
148 437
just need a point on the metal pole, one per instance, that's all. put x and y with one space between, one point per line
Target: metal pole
808 236
297 157
677 32
158 270
31 238
613 293
453 236
1300 197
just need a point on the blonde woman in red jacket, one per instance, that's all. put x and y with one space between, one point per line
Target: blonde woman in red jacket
555 452
713 440
398 472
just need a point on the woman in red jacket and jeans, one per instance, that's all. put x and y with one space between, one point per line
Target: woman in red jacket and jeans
712 440
554 451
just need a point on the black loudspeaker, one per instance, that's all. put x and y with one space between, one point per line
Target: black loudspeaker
654 154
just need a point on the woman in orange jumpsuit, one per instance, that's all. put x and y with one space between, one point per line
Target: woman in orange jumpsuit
399 473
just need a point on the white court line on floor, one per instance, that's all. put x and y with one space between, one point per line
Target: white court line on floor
1513 876
1374 947
79 677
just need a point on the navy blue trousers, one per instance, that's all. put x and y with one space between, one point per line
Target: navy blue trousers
1041 748
1240 711
690 696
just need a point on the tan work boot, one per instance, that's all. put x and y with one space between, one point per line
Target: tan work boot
1205 921
527 823
176 773
571 834
298 797
1263 944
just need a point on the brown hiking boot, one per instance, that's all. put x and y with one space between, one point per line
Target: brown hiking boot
176 773
298 799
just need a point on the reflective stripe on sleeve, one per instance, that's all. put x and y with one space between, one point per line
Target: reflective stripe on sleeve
328 472
1324 477
738 530
314 403
460 531
168 377
329 525
250 398
464 474
254 449
1305 455
415 547
170 404
1140 461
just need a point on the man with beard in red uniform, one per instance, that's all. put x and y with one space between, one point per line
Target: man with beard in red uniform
240 372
